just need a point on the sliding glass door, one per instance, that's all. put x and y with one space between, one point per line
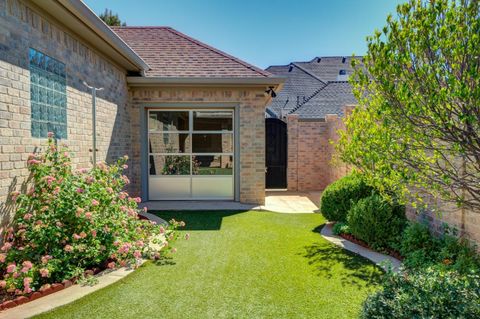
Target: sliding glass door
191 154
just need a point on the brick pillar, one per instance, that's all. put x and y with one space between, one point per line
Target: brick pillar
292 161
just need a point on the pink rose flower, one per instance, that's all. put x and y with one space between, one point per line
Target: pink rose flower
80 190
11 268
68 248
59 224
45 259
2 258
95 202
27 265
88 215
27 216
44 272
111 265
50 134
94 233
137 254
83 234
3 284
6 246
125 166
109 190
76 237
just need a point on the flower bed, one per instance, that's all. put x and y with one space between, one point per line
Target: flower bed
352 238
72 223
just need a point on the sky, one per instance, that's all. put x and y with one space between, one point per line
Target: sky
261 32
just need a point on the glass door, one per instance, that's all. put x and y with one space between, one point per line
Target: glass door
191 154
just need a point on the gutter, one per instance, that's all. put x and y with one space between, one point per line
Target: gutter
90 19
205 81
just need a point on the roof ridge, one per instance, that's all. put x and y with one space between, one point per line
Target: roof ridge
226 55
308 72
308 99
139 27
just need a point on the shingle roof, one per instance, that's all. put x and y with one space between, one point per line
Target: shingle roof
329 100
298 84
328 68
170 53
317 84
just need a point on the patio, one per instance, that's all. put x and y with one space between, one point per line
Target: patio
275 201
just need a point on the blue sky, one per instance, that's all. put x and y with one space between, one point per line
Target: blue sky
263 32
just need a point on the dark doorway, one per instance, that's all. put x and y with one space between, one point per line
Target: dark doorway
275 153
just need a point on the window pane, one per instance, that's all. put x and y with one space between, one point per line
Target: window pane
168 121
169 165
212 120
212 143
212 165
169 143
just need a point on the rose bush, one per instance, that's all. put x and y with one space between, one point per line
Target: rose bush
70 221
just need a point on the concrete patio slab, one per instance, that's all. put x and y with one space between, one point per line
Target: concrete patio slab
275 201
378 258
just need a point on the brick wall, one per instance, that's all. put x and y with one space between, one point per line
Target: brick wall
311 164
251 102
22 27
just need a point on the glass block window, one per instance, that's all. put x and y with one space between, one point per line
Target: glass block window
48 95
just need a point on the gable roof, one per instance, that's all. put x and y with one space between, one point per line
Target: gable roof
331 99
172 54
313 89
299 85
328 68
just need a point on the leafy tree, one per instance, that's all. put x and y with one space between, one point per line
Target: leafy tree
111 19
417 127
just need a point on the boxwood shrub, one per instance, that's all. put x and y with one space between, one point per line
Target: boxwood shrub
425 293
339 196
376 221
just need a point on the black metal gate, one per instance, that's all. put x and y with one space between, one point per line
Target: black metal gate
275 153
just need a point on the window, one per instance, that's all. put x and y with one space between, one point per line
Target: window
191 142
47 95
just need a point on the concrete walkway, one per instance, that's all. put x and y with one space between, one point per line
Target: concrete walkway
378 258
275 201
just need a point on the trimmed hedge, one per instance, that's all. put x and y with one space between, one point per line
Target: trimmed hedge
338 197
376 221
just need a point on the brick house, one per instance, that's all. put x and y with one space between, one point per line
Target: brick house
315 97
190 117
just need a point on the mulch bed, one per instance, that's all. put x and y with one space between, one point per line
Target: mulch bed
357 241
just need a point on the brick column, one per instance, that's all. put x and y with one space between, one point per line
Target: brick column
292 161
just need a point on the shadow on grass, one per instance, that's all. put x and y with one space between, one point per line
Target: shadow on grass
197 220
326 257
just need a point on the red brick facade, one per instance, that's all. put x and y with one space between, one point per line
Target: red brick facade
310 152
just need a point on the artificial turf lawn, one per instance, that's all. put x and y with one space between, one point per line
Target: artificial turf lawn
239 265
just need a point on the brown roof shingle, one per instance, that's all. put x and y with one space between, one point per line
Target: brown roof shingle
170 53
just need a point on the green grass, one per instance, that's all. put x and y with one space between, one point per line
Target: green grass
239 265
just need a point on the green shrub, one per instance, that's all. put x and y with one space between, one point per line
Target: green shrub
69 221
376 221
339 196
425 293
420 249
340 228
418 246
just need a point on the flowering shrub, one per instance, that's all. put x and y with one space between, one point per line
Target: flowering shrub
70 221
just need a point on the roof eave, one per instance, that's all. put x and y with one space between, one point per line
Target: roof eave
93 30
277 82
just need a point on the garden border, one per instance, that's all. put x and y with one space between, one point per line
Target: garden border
50 298
379 259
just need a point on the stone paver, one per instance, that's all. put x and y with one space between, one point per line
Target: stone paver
275 201
378 258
